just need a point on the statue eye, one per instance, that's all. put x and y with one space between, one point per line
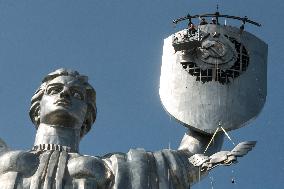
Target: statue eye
54 90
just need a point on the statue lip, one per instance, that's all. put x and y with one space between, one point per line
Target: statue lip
62 102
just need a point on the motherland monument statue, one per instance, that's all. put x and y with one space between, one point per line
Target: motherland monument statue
63 110
213 80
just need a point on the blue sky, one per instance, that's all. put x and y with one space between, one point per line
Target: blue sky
118 44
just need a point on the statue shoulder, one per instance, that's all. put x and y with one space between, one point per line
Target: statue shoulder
82 166
22 162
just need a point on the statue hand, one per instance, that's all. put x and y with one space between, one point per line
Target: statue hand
221 158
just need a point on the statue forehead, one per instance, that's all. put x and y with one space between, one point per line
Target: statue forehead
66 80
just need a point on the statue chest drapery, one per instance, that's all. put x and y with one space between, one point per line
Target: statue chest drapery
55 170
136 169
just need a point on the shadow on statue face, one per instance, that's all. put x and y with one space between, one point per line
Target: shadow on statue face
64 102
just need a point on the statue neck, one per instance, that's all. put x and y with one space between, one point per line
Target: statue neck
65 138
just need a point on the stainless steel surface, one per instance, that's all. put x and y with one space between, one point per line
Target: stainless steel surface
63 110
196 142
222 81
221 158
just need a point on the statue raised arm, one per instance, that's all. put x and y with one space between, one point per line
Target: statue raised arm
63 110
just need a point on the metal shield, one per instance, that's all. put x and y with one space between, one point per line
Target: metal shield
219 81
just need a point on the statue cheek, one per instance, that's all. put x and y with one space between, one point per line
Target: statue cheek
45 104
79 110
80 105
83 112
85 109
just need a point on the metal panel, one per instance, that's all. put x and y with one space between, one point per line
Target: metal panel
202 103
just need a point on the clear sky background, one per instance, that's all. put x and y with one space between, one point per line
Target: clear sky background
118 44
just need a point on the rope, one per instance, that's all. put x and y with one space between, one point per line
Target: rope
211 140
228 136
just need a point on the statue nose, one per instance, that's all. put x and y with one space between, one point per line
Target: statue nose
65 93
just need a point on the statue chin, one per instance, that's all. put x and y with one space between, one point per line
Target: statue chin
60 117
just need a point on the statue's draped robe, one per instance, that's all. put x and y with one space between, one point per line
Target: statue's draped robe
137 169
166 169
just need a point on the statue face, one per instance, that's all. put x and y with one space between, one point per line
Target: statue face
64 102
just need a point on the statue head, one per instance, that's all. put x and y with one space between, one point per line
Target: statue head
64 98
